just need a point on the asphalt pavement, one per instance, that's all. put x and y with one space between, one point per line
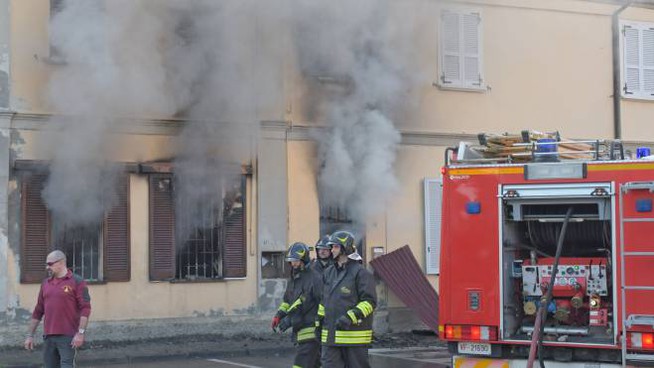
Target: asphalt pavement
423 357
394 350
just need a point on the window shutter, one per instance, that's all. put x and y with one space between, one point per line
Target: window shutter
631 60
433 203
648 61
34 230
234 260
450 48
471 52
162 228
117 236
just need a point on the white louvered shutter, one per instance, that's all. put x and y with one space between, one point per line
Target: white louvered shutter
451 73
648 62
471 49
433 204
631 60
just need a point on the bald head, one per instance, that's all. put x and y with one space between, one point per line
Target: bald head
56 255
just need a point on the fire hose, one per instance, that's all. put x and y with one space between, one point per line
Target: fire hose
537 336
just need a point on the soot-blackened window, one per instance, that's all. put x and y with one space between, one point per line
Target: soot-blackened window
199 241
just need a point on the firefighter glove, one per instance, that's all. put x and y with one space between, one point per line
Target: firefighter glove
275 323
285 324
343 322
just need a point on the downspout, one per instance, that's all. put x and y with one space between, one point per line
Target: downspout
617 85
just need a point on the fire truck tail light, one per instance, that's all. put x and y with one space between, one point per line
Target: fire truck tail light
640 340
476 333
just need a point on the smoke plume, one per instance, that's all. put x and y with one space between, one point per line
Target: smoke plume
346 50
203 61
127 59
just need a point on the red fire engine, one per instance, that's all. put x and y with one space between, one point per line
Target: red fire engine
554 257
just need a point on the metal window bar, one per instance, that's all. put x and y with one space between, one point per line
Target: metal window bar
200 254
82 245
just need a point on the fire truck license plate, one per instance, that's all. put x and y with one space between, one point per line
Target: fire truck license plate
474 348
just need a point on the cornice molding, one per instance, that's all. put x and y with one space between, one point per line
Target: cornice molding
269 129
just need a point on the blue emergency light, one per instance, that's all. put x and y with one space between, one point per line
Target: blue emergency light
473 208
644 205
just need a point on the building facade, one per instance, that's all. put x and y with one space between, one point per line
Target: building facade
174 151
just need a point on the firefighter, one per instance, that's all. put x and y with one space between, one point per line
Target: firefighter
324 257
299 307
346 309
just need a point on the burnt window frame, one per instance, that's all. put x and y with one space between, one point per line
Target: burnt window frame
36 228
162 232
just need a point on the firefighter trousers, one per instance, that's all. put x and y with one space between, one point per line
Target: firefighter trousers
345 357
308 355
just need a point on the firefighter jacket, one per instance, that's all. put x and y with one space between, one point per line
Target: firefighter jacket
300 303
349 291
319 267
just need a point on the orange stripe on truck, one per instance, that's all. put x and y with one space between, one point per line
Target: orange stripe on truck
466 362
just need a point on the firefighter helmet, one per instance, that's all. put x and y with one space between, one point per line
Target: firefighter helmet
323 243
298 252
345 240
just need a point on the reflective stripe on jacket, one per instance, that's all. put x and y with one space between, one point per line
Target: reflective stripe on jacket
348 291
300 303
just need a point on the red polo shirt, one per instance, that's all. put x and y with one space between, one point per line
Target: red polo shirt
63 301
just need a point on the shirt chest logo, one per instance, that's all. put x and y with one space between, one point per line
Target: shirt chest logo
67 289
345 290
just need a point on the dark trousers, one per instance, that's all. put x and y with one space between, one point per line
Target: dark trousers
57 352
345 357
308 355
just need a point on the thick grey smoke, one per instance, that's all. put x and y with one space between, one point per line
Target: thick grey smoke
127 59
102 81
211 62
351 51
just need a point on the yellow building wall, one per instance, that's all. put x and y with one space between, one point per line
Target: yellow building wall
30 48
303 209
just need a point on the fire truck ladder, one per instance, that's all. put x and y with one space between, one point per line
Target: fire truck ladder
633 319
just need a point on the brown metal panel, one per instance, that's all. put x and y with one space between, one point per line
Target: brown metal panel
162 228
235 262
401 272
117 236
34 229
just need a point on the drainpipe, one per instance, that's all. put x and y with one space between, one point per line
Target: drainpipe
617 85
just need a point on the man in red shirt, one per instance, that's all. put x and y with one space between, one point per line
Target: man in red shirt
65 302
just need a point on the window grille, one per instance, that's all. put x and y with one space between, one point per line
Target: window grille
200 254
201 233
82 246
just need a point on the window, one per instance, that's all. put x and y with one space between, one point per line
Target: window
334 218
99 252
433 203
209 248
273 265
638 60
83 248
460 50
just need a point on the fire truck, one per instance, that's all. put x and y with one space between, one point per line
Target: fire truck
547 261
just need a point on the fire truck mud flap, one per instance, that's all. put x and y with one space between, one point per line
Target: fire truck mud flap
459 361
